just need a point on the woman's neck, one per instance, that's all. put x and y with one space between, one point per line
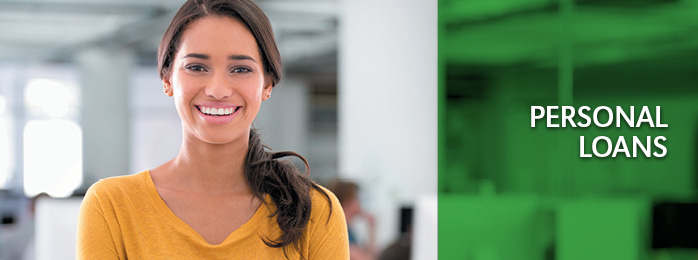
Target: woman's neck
202 166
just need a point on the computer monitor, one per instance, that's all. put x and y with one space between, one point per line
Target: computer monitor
674 225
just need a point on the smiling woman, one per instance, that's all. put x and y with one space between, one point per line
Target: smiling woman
224 195
219 73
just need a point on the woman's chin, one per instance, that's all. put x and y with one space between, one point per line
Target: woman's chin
226 138
217 140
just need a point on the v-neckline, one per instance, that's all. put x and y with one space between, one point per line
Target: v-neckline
240 232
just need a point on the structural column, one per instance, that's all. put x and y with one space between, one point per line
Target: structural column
388 104
105 75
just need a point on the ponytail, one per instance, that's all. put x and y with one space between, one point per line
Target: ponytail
289 190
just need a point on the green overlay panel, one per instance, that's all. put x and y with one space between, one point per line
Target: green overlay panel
508 190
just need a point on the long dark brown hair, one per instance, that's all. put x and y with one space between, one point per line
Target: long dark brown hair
287 187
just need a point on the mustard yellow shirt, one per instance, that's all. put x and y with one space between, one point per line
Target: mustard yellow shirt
125 218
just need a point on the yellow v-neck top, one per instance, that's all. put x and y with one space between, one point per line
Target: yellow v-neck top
125 218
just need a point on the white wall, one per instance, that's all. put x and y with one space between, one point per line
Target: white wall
156 129
56 228
283 119
388 104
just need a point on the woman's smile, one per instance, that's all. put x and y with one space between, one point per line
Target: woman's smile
217 113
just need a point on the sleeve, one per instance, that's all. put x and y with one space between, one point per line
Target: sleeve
328 238
94 237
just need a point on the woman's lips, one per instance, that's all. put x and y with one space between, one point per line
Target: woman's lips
218 111
217 114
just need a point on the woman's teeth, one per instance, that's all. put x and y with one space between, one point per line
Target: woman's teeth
212 111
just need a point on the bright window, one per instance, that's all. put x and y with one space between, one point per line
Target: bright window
52 138
5 145
52 157
50 98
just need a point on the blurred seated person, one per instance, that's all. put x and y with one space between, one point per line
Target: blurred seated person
348 195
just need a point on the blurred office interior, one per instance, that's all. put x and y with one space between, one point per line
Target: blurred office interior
80 100
510 191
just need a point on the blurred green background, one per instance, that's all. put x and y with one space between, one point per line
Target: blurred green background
509 191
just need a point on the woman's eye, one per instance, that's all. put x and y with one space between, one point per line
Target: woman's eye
195 68
241 70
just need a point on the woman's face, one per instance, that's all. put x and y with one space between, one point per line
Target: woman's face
217 80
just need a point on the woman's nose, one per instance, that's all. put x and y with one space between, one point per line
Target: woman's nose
219 86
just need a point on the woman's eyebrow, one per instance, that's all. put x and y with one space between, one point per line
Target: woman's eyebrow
196 55
241 57
231 57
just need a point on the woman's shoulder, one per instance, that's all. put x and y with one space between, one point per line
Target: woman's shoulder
325 206
327 229
322 198
118 185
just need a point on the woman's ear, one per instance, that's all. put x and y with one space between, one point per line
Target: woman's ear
266 93
167 84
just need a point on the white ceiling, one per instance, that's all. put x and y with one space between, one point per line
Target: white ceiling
54 30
